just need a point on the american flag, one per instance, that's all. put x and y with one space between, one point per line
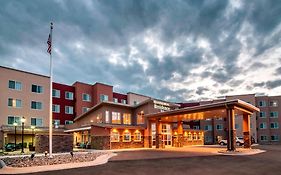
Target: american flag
49 42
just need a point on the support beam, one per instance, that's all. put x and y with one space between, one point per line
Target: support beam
246 131
180 134
231 139
158 136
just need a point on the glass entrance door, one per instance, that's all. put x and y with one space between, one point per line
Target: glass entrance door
153 134
167 134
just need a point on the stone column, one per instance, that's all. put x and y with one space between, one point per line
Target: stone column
231 135
158 136
246 131
147 135
180 134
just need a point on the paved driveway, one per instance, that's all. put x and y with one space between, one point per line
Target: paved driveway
268 163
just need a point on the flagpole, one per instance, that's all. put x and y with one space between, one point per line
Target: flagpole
51 99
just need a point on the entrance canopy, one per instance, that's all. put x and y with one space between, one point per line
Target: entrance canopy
226 109
202 112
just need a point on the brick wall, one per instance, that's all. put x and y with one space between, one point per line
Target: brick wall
61 143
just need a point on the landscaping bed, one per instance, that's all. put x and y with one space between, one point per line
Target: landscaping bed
26 161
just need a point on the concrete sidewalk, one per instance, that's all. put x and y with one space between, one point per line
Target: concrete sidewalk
23 170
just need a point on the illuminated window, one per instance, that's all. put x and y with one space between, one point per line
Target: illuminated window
15 103
273 103
200 136
189 137
126 118
107 117
126 136
114 137
116 118
140 118
194 136
137 137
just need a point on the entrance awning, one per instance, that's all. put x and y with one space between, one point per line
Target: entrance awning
202 112
78 129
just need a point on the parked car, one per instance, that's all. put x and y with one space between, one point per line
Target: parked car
239 141
11 147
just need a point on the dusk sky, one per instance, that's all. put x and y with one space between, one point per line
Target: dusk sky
175 50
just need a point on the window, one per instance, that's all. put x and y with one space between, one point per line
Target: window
36 88
208 119
69 109
219 118
123 101
263 125
196 127
86 97
194 136
107 117
135 102
208 128
219 127
137 137
262 114
104 98
126 136
262 103
236 126
15 103
56 123
56 93
115 100
15 85
274 125
114 136
69 95
56 108
140 118
263 138
67 122
14 119
274 114
200 136
189 136
36 122
85 109
274 138
273 103
36 105
116 118
126 118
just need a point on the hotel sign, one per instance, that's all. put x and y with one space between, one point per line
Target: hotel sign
161 105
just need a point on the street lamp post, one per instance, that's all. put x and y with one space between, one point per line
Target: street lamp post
15 124
32 127
22 133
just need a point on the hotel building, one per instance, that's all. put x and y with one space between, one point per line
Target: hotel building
24 95
100 118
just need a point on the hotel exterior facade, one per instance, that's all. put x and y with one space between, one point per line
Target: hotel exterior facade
100 118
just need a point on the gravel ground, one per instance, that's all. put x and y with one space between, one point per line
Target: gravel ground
26 161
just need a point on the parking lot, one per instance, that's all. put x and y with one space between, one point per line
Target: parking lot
185 162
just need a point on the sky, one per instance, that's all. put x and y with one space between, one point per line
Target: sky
175 50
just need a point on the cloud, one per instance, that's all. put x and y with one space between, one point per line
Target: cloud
175 50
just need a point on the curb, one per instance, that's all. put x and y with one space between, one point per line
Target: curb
237 153
34 169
